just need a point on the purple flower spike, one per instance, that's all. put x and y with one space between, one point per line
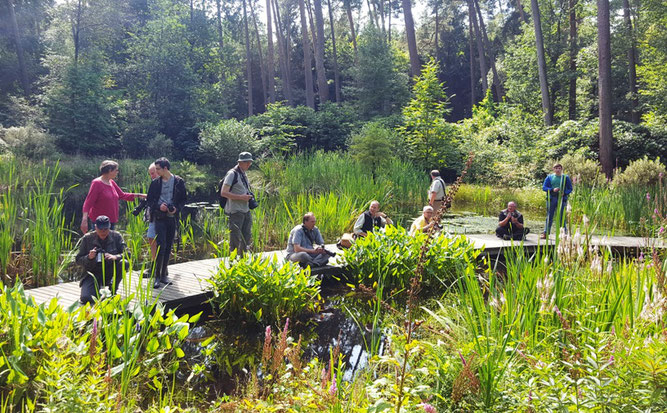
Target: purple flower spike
333 388
648 196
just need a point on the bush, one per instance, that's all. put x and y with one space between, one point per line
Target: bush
160 146
572 136
581 170
220 144
29 142
389 258
374 145
633 142
264 290
643 172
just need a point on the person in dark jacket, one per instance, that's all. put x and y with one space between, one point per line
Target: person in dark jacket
371 219
101 256
510 224
166 198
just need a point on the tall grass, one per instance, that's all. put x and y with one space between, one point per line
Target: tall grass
8 216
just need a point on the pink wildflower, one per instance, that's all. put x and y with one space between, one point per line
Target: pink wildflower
660 175
611 360
661 230
648 196
428 408
655 211
462 359
333 388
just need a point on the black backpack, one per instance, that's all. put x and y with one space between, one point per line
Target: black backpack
221 199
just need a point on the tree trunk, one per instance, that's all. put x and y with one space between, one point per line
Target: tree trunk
572 92
541 62
248 60
389 23
335 54
372 15
348 11
521 12
283 55
473 82
76 28
483 68
487 45
632 62
307 68
604 88
322 85
221 41
415 66
384 28
437 28
25 84
269 54
261 58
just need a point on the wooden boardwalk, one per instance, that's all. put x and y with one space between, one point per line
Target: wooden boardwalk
190 288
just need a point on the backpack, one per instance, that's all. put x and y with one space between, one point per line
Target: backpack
221 199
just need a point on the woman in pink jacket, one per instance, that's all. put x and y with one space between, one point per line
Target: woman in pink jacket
103 196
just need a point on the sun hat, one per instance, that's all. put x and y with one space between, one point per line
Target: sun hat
245 157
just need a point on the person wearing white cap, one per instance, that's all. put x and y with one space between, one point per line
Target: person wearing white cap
240 200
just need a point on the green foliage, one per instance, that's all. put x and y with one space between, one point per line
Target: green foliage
381 80
220 144
582 171
643 172
264 290
284 128
84 360
29 142
389 258
374 145
653 68
432 142
82 113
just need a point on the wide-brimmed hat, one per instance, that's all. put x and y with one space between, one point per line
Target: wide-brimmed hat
245 157
102 222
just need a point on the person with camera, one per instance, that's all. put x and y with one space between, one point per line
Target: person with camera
166 199
371 219
240 201
424 223
510 224
305 244
103 196
101 256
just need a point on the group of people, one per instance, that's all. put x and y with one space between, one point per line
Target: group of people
102 252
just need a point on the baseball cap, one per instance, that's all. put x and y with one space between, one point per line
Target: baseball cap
102 222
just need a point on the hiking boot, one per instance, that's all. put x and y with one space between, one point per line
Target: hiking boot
507 237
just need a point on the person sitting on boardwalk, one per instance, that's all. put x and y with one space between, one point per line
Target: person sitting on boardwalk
369 220
510 224
558 187
306 245
101 256
424 222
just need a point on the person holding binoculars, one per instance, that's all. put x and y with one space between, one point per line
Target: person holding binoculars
510 224
101 254
305 244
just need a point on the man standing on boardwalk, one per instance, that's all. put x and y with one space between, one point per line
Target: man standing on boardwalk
558 187
436 193
166 199
236 189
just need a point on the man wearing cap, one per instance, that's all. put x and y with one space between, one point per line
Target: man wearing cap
436 193
236 189
101 256
166 199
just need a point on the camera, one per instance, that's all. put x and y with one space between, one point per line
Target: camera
252 203
326 251
142 205
170 207
100 254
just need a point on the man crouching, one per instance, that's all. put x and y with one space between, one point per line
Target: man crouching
302 241
101 256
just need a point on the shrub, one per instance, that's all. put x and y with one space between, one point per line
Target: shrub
643 172
264 290
389 258
374 145
29 142
581 170
160 146
632 142
572 136
220 144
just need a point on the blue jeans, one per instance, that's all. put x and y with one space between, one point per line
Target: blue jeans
552 206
